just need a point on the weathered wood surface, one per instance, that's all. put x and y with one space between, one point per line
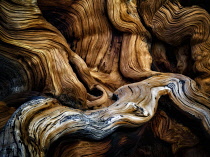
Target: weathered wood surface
41 121
81 70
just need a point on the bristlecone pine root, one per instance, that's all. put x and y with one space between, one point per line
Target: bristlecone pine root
121 78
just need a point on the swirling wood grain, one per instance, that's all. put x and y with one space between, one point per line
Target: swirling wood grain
40 122
91 72
182 24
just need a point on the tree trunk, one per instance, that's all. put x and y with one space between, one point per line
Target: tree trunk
104 78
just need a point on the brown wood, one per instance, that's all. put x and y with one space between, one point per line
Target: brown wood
104 78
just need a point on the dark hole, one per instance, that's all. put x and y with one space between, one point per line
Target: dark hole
96 92
49 95
115 97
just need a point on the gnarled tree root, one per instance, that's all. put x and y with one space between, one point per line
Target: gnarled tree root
38 123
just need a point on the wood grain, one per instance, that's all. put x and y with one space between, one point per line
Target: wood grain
89 77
